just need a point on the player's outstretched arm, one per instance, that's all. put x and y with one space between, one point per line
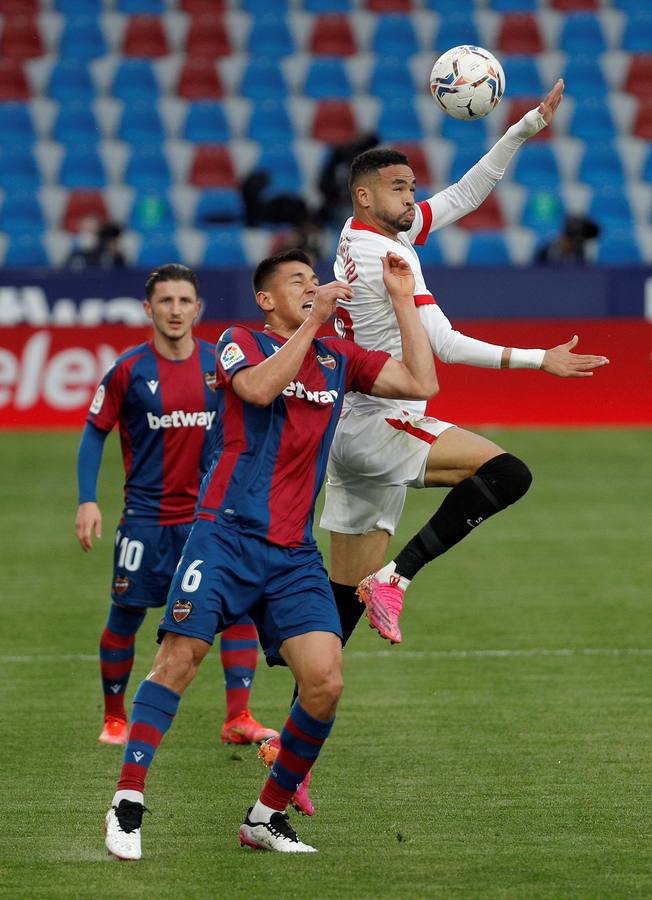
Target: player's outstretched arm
563 362
414 377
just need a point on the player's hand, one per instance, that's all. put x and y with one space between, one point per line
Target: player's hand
323 306
89 520
563 362
533 121
397 276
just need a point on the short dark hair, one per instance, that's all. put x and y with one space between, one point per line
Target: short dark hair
372 160
266 267
170 272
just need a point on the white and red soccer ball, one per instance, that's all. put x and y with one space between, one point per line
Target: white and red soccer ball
467 82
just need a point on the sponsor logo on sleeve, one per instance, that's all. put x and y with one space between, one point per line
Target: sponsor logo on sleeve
231 355
181 610
98 400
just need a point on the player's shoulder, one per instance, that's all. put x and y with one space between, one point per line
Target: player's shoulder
341 346
127 359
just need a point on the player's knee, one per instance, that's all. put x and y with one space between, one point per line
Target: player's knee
507 477
177 661
321 692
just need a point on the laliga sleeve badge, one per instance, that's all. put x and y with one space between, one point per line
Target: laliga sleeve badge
231 355
98 400
120 584
181 610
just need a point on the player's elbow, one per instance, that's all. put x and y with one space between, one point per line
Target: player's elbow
428 387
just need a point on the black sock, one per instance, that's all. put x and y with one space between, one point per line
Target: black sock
496 484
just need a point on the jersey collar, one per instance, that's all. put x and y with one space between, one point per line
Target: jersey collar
357 225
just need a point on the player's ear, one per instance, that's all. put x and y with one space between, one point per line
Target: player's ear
147 306
198 313
362 196
264 301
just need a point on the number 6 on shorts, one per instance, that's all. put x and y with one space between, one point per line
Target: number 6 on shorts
192 577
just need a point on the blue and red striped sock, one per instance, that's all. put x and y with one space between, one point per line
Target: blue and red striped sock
155 707
117 647
301 741
239 655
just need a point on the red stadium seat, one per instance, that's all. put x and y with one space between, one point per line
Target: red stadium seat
207 37
199 80
488 216
418 163
638 80
197 7
145 36
334 122
332 36
575 5
81 204
389 6
21 38
212 167
13 81
516 111
519 33
642 126
19 7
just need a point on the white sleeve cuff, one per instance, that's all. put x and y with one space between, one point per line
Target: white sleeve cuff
526 359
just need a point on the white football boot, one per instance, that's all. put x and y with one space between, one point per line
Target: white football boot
277 834
122 829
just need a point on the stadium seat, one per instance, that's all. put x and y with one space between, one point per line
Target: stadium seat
225 248
642 126
518 108
334 122
272 33
575 5
419 163
141 7
466 155
591 120
13 81
19 7
199 7
487 217
637 36
269 122
327 79
280 164
395 36
16 126
327 6
581 33
140 123
332 36
148 169
507 6
586 75
21 212
21 38
638 80
81 204
443 6
208 37
25 250
205 123
18 169
212 166
75 123
460 130
487 248
601 165
391 79
70 81
646 173
536 166
543 212
199 80
145 36
82 167
611 209
215 207
82 38
457 28
263 80
431 253
618 248
152 211
157 248
134 80
389 6
78 7
519 33
398 121
522 76
631 6
264 7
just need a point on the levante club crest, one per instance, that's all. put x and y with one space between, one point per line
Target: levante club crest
120 584
328 361
211 380
181 610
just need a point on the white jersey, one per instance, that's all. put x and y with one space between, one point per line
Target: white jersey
368 318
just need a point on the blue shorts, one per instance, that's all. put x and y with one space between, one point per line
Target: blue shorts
144 560
224 575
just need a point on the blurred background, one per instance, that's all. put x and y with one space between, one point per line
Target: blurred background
138 132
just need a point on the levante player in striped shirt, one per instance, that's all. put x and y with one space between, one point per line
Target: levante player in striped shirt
162 395
251 549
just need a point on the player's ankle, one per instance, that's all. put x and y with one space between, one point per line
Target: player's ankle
388 572
132 796
261 813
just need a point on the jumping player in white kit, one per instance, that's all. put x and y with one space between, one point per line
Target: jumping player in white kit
382 447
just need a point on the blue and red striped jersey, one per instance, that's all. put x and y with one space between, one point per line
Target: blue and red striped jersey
168 413
273 459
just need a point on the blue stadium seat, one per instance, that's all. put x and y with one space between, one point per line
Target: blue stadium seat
581 33
265 7
82 38
632 6
134 80
82 167
444 6
157 248
280 163
79 7
26 250
141 7
611 209
272 33
327 6
601 165
394 36
463 130
591 120
225 248
263 79
18 169
466 155
646 173
21 212
543 212
583 76
398 121
16 125
487 248
536 166
151 212
619 248
326 78
431 253
148 168
75 123
206 123
70 81
270 122
508 6
457 28
522 76
391 79
140 123
637 36
215 207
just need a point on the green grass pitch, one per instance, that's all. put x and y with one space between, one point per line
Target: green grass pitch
503 750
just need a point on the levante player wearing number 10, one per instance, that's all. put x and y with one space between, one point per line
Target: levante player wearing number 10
162 395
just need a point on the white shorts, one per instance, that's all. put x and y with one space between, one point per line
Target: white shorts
373 460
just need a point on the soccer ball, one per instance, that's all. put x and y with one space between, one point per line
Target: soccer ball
467 82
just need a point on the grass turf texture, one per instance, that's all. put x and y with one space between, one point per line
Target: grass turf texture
453 771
